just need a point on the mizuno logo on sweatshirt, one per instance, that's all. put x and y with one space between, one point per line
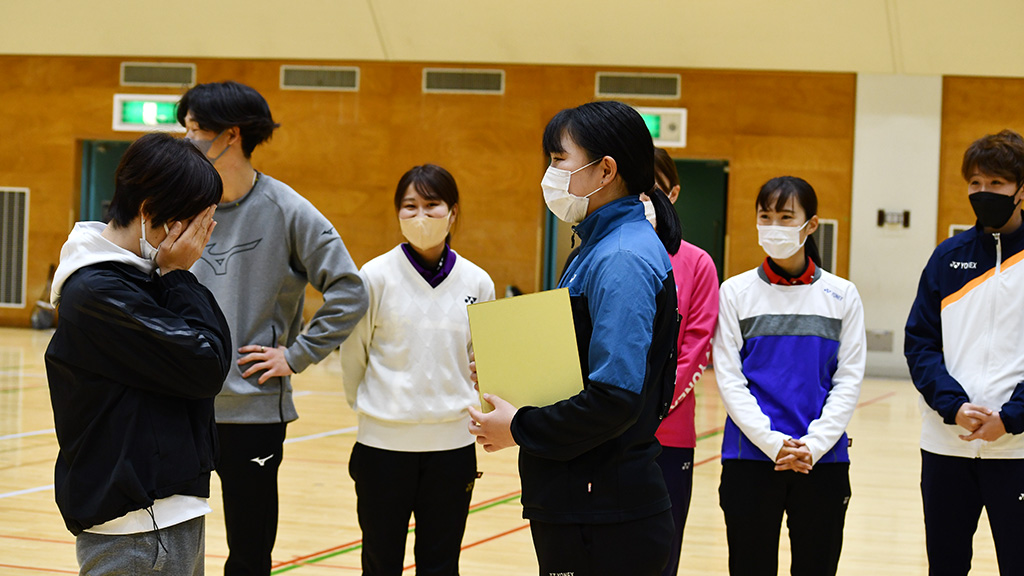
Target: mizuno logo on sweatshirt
963 265
219 260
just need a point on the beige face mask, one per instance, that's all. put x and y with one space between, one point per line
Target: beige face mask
424 232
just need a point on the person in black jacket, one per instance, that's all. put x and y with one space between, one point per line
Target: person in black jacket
594 495
139 354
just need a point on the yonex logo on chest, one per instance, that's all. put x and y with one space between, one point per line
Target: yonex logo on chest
963 265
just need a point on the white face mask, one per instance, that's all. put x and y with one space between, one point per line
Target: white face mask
424 232
649 213
147 250
569 209
780 242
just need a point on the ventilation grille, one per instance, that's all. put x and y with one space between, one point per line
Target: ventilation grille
614 85
334 78
13 246
827 238
450 81
157 74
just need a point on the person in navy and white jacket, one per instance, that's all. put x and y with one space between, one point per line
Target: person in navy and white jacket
789 356
965 348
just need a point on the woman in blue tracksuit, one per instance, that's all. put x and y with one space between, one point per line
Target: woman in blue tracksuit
789 359
595 497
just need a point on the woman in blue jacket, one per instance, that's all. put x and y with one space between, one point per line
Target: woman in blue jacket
595 497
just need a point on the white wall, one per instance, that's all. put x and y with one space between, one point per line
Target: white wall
895 167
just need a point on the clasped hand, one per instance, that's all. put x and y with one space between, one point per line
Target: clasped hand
795 456
981 422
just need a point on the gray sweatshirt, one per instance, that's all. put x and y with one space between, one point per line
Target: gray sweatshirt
265 248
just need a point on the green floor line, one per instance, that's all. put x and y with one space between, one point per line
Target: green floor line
709 435
355 547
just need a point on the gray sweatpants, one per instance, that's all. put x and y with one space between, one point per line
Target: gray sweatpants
179 550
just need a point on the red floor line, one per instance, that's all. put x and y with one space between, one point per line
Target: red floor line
301 559
506 533
479 542
35 569
873 400
34 539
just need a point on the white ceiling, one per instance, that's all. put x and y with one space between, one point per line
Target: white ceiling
927 37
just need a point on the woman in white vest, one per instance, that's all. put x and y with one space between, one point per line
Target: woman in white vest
406 374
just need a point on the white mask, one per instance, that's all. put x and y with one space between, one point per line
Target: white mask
780 242
569 209
147 250
424 232
649 213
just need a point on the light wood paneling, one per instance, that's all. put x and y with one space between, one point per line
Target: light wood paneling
971 108
346 151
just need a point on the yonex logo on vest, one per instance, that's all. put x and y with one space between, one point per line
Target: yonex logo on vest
963 265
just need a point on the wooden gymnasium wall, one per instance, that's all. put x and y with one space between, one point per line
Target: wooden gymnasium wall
345 151
971 108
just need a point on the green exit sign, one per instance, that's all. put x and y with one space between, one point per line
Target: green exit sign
653 122
146 113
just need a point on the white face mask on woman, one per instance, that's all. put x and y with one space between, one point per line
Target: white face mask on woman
424 232
780 242
569 209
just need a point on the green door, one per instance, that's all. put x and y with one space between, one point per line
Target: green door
703 186
99 163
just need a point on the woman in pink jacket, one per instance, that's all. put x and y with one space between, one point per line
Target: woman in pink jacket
697 291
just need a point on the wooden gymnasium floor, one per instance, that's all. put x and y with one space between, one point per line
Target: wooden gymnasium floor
318 532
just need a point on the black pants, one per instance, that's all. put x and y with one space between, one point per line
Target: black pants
436 487
753 497
677 469
636 548
954 490
250 455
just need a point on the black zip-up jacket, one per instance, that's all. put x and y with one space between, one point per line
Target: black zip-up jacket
133 369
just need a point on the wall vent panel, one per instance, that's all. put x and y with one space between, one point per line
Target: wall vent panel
827 238
13 246
157 74
331 78
453 81
618 85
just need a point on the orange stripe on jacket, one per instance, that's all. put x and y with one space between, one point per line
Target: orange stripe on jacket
955 296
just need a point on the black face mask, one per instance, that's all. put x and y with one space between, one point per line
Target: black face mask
993 210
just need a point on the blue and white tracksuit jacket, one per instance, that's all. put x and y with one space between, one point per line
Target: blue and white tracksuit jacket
965 341
590 459
789 361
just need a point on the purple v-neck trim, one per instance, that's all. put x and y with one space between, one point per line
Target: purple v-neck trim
436 276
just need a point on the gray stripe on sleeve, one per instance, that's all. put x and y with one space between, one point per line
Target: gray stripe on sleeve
791 325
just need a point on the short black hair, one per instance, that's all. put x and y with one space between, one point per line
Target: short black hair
168 176
217 106
607 128
999 154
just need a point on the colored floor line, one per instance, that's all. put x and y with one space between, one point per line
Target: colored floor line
317 557
34 569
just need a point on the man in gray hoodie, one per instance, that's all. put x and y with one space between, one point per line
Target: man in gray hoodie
269 243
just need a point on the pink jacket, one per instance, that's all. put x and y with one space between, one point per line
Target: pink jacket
697 290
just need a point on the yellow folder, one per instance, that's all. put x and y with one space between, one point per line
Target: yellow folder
525 349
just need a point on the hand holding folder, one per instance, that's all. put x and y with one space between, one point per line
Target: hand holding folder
526 349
